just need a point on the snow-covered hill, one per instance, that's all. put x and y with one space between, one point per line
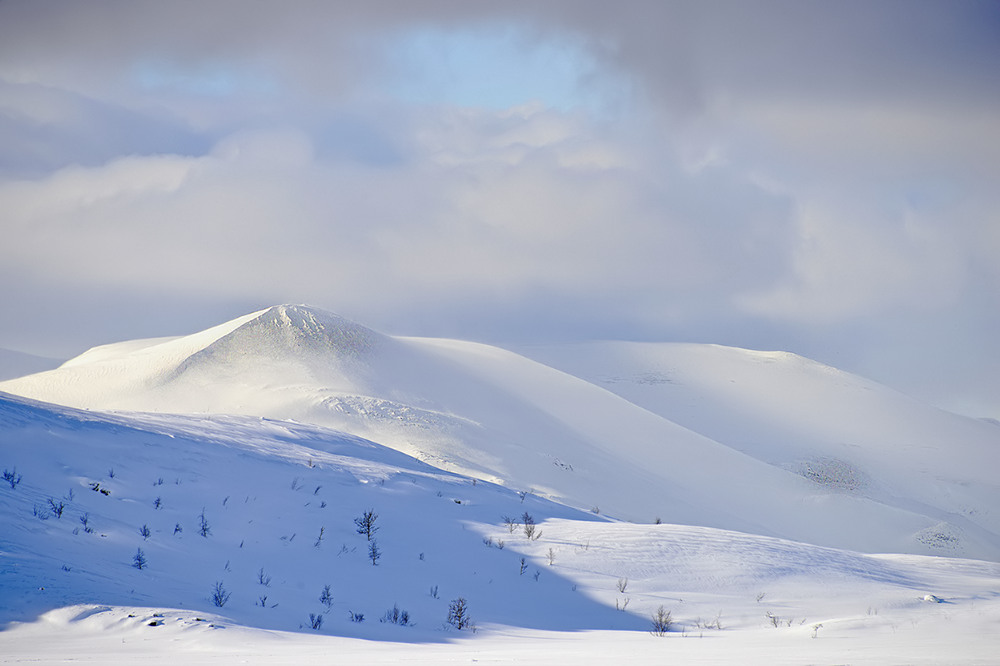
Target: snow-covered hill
764 443
834 428
119 531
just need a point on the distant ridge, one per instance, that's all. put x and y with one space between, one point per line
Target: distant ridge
15 364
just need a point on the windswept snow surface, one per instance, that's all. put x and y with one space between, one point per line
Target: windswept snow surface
280 498
733 446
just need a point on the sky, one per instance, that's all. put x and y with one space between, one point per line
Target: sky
816 177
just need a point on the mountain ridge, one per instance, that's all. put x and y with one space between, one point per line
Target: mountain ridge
494 414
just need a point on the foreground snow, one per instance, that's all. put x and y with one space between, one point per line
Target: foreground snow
281 497
96 635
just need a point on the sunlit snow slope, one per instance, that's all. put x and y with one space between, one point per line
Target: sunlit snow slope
821 470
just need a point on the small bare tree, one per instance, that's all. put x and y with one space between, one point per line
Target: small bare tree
373 552
139 559
366 524
529 524
203 527
458 614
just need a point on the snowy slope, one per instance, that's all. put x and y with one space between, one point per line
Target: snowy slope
835 428
280 500
501 417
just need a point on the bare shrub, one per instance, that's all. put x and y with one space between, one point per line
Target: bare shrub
396 616
12 477
57 507
219 594
326 598
661 621
203 527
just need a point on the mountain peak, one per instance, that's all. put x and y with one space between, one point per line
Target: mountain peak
305 324
289 332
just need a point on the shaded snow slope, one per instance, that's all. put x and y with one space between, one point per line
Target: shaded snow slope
280 500
277 498
488 412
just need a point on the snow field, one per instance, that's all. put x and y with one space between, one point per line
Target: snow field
262 485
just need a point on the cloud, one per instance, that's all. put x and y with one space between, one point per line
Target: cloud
818 177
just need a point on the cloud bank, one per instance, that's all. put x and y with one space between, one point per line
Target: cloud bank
805 176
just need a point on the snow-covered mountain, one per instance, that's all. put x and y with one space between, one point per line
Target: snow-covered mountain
201 495
770 444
